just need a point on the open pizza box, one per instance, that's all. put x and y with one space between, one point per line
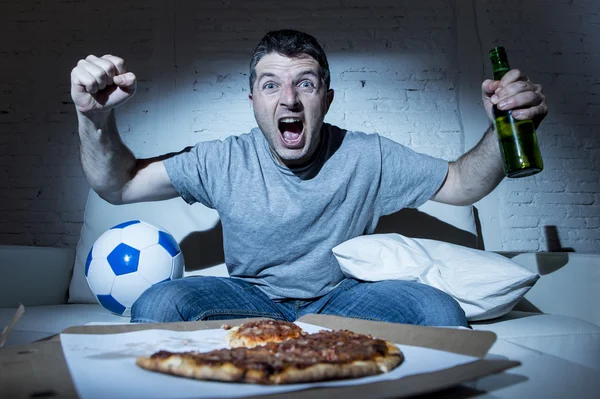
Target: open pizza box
40 369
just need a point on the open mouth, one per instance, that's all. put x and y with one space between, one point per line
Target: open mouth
291 131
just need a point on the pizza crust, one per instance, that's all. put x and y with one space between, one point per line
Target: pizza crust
261 332
184 365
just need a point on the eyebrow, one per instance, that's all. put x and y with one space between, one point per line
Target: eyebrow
265 75
308 72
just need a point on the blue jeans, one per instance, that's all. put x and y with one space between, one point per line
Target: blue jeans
217 298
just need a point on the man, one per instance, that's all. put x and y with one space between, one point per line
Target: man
288 191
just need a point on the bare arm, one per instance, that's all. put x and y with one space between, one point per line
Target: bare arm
111 168
476 173
98 85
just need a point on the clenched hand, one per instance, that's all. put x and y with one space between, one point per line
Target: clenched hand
101 84
515 92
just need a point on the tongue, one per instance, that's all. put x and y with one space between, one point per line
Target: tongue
291 131
290 136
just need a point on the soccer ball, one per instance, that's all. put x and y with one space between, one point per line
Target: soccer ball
128 259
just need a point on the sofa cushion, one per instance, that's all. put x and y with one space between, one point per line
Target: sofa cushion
34 275
39 322
568 284
562 336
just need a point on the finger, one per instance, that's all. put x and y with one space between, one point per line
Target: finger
82 80
512 76
521 100
109 68
489 86
513 89
119 63
126 81
535 113
98 73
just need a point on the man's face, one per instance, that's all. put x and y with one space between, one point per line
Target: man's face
290 101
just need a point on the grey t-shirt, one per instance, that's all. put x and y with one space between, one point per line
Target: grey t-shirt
280 225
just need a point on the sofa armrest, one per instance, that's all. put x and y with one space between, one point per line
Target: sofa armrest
568 284
34 276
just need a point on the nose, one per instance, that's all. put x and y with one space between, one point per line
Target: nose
289 97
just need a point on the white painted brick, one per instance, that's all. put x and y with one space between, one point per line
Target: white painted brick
530 222
393 64
558 211
583 175
564 198
584 211
390 105
519 197
589 187
519 245
575 223
363 96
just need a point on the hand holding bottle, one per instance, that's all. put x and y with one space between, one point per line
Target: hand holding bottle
514 91
101 84
516 106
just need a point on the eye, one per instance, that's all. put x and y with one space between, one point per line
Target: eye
269 86
307 84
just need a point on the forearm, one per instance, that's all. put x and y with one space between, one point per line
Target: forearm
107 163
479 170
474 175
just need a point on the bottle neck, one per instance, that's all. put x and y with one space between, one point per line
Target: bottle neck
499 62
500 71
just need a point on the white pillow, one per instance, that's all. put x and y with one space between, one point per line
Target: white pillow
485 284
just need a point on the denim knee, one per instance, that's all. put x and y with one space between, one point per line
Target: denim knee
445 312
156 305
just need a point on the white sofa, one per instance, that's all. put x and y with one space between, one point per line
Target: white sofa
558 316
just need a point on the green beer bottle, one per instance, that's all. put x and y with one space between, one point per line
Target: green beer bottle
518 141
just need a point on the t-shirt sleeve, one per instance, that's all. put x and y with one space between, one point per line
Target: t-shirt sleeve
408 178
192 172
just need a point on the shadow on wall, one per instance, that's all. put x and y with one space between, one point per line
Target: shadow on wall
416 224
203 249
553 240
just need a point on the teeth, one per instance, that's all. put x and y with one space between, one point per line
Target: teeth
290 120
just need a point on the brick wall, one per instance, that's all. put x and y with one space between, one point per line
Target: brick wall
557 43
398 68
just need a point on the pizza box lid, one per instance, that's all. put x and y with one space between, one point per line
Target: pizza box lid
39 369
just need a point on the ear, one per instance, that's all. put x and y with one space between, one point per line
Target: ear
250 99
329 99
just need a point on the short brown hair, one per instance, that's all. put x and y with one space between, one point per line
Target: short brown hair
290 43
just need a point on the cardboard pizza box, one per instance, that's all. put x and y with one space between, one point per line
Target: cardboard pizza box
40 370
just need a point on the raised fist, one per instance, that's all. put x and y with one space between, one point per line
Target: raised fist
100 84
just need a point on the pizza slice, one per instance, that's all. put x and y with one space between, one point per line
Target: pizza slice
326 355
261 332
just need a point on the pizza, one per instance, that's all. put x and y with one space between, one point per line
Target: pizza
326 355
261 332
